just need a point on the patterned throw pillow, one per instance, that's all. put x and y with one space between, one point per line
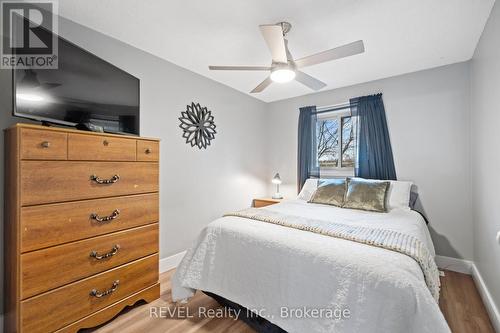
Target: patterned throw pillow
366 194
330 192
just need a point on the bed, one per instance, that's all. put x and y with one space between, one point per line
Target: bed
282 273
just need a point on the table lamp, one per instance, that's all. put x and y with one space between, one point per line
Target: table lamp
277 180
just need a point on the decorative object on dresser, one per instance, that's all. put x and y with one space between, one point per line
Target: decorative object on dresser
81 227
198 125
263 202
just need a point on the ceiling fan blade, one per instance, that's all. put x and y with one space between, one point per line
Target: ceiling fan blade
239 68
309 81
336 53
263 85
273 35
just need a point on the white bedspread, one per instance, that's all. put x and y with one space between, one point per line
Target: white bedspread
277 270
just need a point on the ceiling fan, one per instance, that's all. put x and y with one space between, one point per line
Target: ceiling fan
283 67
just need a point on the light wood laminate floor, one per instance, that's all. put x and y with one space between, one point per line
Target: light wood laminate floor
462 306
460 303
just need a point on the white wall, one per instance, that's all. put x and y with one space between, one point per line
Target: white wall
5 120
427 115
485 151
196 186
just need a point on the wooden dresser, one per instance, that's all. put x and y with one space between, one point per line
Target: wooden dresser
81 227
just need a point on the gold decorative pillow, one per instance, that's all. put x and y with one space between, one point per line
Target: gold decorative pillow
366 194
330 192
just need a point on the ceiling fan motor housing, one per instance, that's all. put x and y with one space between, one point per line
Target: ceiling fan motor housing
285 26
279 65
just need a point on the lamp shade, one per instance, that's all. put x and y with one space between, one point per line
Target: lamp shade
276 179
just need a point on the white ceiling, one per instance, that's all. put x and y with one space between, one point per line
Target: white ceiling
400 36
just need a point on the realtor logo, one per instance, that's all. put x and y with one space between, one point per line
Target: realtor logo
29 34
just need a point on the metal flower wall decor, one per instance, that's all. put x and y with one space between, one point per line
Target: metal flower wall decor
198 125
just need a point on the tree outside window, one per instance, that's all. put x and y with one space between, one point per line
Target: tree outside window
336 142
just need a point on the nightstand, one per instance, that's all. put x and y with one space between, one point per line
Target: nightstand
263 202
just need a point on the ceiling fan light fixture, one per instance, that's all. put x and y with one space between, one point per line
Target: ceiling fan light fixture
283 75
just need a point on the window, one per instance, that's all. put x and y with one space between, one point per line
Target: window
348 152
336 141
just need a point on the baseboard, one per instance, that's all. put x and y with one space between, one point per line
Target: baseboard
488 301
454 264
171 262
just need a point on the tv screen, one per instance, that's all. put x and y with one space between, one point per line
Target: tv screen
84 89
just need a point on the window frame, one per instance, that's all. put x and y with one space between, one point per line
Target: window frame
338 170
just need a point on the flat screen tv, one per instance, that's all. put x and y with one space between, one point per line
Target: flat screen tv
85 89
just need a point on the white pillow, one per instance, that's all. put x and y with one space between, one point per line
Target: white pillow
398 195
308 189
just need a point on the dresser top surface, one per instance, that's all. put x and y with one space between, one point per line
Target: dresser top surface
70 130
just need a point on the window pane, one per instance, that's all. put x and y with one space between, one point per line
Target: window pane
328 137
348 151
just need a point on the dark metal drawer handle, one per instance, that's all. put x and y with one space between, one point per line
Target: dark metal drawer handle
148 151
113 216
45 144
98 294
96 255
98 180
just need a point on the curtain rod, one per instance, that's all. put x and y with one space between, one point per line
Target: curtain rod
343 106
334 108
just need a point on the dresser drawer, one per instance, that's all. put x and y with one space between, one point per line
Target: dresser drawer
57 308
82 147
43 145
53 224
56 266
53 181
106 314
148 150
